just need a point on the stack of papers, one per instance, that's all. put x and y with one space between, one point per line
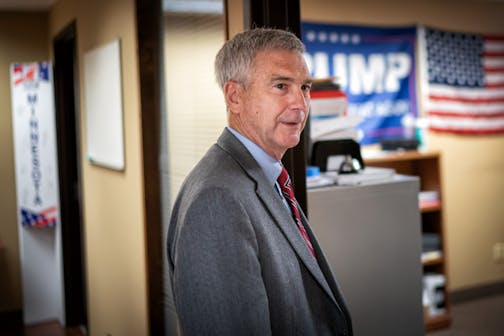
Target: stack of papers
319 181
428 198
342 127
366 175
431 246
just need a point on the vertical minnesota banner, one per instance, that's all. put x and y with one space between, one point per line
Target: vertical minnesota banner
34 128
374 66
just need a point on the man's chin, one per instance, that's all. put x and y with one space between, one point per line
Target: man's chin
292 141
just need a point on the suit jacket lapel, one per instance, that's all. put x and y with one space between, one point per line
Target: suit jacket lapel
284 220
272 201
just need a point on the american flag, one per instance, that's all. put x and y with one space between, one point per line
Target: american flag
464 87
23 73
44 218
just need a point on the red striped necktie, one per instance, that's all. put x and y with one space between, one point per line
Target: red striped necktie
286 186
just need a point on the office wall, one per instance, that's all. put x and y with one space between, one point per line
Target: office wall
23 38
113 211
473 167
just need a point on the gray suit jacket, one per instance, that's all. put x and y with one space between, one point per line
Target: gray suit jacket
238 263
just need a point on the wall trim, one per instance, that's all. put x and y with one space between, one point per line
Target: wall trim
476 292
149 28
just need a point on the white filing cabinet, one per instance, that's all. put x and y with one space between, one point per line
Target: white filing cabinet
371 236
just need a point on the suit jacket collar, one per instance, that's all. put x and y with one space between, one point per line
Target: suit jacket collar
278 211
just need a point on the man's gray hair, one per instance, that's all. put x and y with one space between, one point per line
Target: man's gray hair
235 59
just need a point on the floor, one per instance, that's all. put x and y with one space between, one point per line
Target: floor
481 317
52 330
43 329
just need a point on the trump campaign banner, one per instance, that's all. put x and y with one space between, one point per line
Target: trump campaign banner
462 81
374 66
35 155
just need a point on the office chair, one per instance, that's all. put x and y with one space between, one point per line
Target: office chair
324 149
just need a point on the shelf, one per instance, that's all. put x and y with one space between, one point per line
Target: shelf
371 158
433 261
436 322
432 258
426 165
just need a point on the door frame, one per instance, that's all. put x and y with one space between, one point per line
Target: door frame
67 126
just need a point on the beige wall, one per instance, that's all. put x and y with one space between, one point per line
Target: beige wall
27 43
113 211
473 167
473 184
472 16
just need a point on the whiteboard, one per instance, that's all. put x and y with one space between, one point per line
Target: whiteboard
103 106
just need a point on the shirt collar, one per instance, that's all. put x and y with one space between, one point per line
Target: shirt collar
270 166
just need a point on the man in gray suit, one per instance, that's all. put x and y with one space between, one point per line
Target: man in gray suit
242 258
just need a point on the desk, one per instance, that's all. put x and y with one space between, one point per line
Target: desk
371 235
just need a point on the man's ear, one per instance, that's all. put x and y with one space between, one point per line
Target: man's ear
232 94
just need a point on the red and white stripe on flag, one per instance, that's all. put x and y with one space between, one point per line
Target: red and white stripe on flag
463 86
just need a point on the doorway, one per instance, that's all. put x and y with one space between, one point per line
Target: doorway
65 88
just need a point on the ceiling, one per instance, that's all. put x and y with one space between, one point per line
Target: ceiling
28 5
168 5
203 6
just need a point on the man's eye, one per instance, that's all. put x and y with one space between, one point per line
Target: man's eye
280 86
306 87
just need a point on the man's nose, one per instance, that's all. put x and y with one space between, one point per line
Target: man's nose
300 98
